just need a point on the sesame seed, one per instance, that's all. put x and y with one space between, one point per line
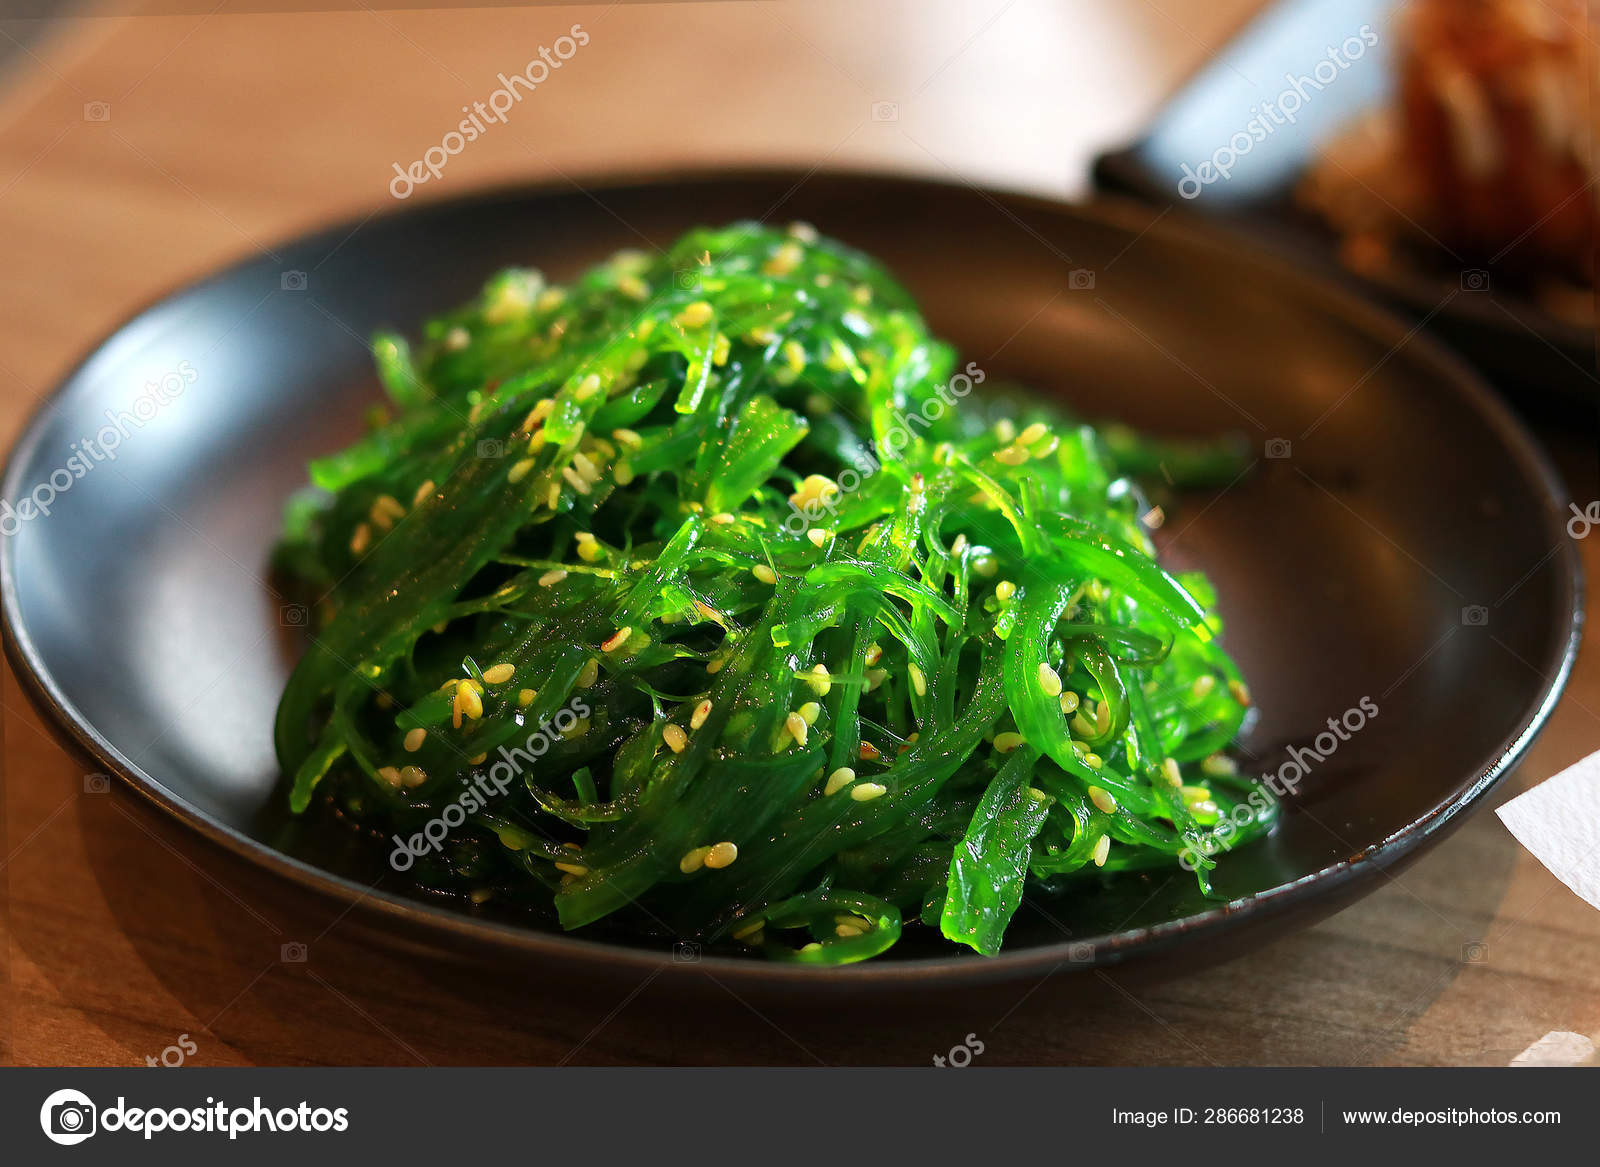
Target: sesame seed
721 855
477 759
633 287
1218 765
796 725
412 776
1069 703
525 698
784 260
423 492
1202 686
867 791
360 539
818 681
876 677
584 466
1093 761
809 712
848 930
764 573
959 546
574 479
414 740
1169 770
552 577
874 654
696 315
1102 799
749 929
1011 455
623 473
838 780
1049 680
1033 433
1006 742
694 860
919 683
701 712
572 868
677 741
1101 850
577 730
552 496
457 339
806 233
1004 590
819 536
467 703
1005 430
1240 691
587 387
617 639
385 510
724 518
628 437
389 774
814 946
714 665
499 674
589 674
519 470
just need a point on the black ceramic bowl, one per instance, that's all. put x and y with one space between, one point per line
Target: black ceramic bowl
1398 539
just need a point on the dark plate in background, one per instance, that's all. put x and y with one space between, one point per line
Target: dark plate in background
1542 359
1392 493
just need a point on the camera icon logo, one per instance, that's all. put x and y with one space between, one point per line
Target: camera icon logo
96 783
294 615
293 952
886 111
491 448
1474 280
686 952
1474 952
1279 448
1475 616
1081 952
293 281
1080 279
97 111
686 279
67 1117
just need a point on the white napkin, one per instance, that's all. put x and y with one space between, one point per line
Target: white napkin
1559 821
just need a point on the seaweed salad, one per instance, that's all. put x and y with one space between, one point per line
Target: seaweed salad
711 596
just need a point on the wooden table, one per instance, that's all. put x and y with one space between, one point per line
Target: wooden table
127 940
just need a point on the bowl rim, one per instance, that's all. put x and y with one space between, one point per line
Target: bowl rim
443 923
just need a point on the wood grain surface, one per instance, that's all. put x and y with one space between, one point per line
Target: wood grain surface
127 940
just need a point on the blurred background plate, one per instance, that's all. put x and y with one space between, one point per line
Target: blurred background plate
1545 360
1350 558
